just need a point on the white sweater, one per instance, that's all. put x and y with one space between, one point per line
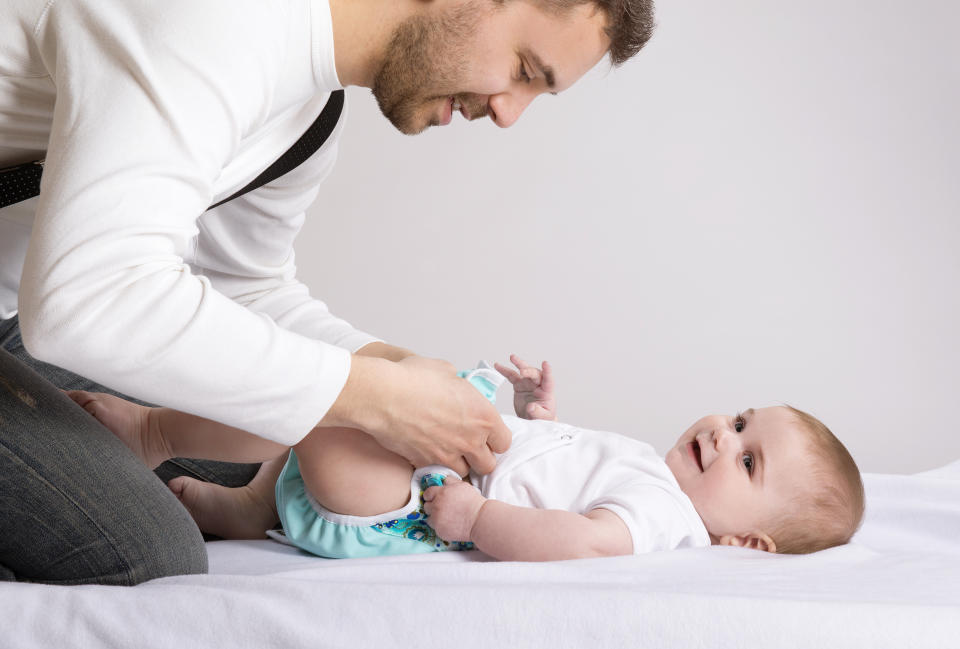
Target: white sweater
147 112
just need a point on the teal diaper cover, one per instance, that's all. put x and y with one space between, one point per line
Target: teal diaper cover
311 527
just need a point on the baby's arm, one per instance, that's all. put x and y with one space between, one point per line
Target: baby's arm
533 389
458 512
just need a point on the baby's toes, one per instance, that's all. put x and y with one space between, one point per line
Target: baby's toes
178 486
79 397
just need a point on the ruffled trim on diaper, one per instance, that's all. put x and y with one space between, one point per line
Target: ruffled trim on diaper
367 521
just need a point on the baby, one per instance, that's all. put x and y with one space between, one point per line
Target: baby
773 479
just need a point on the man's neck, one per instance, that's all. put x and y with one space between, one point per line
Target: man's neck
361 32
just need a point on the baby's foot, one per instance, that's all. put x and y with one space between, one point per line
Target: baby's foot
230 513
128 421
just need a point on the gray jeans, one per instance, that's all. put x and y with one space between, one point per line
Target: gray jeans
76 506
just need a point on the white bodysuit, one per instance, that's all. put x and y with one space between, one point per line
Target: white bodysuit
551 465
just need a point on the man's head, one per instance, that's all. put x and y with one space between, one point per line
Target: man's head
773 479
493 57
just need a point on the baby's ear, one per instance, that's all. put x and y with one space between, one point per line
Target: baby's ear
755 541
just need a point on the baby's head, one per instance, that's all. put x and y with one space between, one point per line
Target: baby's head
773 479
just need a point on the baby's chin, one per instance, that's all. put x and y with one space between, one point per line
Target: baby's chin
673 460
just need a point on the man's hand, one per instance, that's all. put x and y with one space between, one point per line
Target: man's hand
533 389
452 509
420 409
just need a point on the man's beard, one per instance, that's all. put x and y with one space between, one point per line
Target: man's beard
424 61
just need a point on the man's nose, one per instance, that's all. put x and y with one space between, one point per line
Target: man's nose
506 108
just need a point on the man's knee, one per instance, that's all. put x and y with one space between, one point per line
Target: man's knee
73 545
168 545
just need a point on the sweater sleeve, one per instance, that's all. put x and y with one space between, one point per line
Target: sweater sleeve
246 249
152 100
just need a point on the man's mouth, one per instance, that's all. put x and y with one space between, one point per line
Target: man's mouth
693 448
447 113
457 105
451 106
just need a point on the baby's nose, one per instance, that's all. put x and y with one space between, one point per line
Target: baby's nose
721 436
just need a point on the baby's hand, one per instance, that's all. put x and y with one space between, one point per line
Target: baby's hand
533 396
452 508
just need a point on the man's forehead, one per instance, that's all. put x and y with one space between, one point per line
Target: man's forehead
562 44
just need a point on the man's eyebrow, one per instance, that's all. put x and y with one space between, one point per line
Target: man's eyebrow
544 68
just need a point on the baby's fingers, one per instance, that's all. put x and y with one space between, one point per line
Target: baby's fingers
508 372
546 380
519 362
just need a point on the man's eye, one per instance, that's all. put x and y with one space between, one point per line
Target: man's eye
748 462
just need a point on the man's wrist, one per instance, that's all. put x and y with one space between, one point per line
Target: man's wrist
353 406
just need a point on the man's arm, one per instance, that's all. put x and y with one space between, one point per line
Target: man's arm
107 290
138 140
458 512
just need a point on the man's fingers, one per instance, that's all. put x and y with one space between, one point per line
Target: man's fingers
457 463
483 462
461 465
499 440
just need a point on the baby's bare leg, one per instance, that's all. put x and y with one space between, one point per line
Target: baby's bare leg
187 435
233 513
159 434
348 472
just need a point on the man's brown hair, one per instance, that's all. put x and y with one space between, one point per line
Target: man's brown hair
629 25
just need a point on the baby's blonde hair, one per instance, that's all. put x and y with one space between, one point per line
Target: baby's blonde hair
830 513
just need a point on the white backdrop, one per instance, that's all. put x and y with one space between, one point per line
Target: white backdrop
762 207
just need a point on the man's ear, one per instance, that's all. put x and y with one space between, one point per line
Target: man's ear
754 541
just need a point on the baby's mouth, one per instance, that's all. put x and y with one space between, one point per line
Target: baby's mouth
694 449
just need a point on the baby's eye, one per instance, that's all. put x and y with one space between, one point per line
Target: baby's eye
747 460
523 74
739 423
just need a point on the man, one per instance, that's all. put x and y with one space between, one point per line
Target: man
119 275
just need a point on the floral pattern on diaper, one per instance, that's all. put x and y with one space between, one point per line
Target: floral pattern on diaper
414 526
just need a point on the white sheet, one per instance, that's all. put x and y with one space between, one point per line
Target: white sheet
897 585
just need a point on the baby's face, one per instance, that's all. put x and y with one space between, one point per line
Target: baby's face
740 470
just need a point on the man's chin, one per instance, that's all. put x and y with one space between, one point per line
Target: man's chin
407 119
409 125
414 130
